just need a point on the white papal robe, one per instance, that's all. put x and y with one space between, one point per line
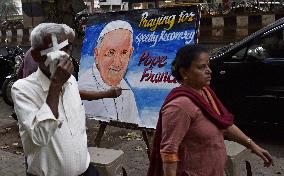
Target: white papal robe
122 108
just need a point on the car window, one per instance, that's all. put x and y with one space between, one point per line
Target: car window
239 55
271 46
274 44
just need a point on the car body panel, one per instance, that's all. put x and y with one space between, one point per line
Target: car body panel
248 76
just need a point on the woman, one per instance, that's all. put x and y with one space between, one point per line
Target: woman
190 131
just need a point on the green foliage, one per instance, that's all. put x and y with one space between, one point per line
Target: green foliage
7 8
15 18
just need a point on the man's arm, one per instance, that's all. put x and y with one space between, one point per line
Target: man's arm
60 76
95 95
53 98
38 122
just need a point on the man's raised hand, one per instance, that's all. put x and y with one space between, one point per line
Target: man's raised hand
63 72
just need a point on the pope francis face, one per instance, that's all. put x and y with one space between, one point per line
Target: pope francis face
113 54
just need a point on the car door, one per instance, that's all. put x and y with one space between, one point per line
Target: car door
263 95
233 82
273 78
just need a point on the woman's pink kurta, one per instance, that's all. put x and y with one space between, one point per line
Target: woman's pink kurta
198 143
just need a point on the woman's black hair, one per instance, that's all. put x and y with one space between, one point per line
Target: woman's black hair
184 58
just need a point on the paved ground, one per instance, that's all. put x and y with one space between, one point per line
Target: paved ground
5 112
11 164
136 161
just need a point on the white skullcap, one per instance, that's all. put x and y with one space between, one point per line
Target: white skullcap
111 26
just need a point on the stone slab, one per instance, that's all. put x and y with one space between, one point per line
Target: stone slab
267 19
107 161
242 21
217 22
236 154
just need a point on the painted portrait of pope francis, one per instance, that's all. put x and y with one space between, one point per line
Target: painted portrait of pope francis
111 57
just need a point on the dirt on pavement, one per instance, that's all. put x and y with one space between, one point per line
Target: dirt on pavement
136 160
131 142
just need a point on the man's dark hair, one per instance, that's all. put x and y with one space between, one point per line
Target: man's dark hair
184 58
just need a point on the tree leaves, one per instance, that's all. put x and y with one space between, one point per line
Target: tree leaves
8 8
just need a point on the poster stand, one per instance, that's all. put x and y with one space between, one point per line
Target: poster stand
152 53
146 132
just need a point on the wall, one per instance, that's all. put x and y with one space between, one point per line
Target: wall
228 29
111 2
218 30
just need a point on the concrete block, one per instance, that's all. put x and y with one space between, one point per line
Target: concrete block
107 161
242 21
242 32
217 32
8 36
20 32
236 154
9 33
217 22
267 19
19 40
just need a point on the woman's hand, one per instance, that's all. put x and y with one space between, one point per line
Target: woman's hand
263 154
235 134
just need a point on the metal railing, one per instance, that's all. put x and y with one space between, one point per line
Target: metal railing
244 6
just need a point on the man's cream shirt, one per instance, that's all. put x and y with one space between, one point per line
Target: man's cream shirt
53 147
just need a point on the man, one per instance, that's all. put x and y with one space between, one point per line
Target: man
50 112
28 65
112 54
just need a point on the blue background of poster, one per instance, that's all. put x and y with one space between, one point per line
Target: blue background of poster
149 96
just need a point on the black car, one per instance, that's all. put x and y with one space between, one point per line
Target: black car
248 76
